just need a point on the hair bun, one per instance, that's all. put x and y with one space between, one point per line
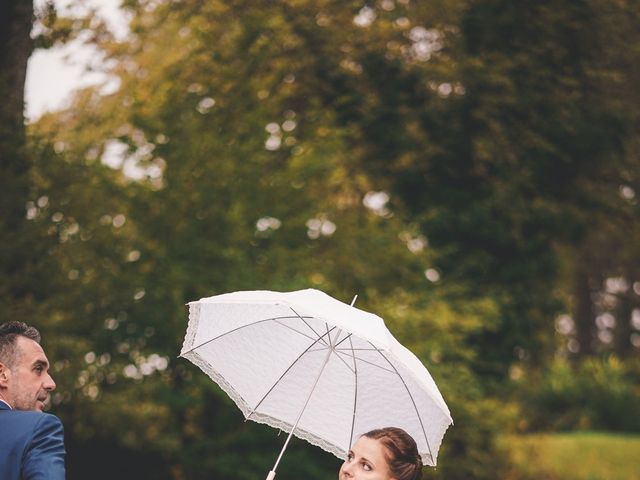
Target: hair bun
418 465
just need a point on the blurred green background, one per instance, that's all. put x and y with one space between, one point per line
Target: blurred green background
468 168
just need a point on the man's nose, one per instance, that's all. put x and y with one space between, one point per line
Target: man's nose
49 384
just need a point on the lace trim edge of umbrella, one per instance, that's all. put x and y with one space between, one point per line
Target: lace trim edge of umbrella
258 417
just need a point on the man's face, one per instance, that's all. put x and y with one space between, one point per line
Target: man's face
27 383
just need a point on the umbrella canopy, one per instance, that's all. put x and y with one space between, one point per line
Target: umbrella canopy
307 363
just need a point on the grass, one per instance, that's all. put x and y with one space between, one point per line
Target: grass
574 456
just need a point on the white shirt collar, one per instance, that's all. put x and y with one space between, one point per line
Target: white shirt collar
6 404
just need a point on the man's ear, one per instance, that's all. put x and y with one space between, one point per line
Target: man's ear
5 375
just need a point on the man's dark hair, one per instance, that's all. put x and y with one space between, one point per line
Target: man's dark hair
9 332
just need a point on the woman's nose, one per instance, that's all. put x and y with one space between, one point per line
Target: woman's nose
347 469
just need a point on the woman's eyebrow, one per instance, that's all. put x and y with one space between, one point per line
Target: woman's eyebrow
365 459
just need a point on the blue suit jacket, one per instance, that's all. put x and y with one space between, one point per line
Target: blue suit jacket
31 445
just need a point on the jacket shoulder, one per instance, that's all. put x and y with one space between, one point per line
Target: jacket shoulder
27 420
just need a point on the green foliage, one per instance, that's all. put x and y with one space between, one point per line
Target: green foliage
508 165
477 418
238 153
572 456
595 394
441 337
52 29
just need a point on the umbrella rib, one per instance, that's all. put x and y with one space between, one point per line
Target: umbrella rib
333 347
357 349
239 328
321 349
368 362
355 394
272 473
415 407
295 330
283 374
345 363
345 338
310 327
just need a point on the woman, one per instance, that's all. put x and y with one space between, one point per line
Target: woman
384 454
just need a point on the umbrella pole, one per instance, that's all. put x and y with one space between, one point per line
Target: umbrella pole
272 472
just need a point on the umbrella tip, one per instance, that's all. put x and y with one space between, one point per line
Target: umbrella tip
355 297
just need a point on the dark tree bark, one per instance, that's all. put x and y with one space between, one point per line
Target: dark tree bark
622 333
16 19
583 315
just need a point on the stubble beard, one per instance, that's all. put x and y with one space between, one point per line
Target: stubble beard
28 402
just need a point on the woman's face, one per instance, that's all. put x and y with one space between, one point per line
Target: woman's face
366 461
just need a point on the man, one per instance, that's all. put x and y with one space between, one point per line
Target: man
31 442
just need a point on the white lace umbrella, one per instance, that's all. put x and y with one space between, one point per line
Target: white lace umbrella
318 368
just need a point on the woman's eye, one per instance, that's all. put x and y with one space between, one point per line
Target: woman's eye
366 467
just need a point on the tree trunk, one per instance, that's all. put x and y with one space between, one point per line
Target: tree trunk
16 19
623 330
583 314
